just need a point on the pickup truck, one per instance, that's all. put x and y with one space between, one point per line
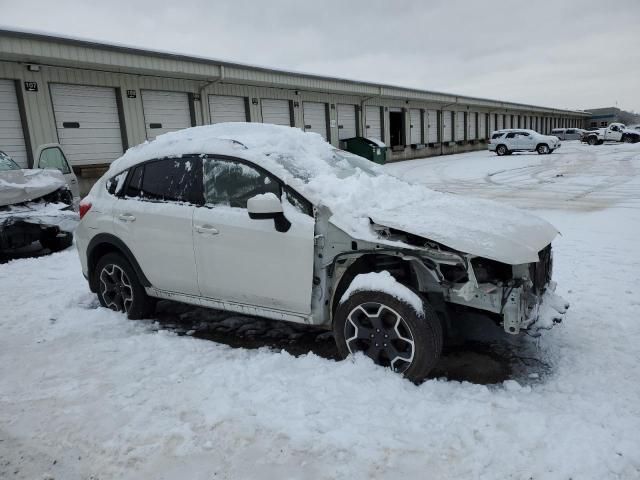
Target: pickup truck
615 132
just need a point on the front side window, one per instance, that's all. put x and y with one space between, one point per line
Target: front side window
232 183
54 158
169 180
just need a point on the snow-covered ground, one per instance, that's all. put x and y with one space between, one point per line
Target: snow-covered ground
84 393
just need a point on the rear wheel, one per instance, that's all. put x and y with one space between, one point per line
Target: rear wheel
542 149
501 150
390 332
119 288
592 140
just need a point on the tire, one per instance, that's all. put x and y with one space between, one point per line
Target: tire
58 242
542 149
501 150
356 319
592 141
119 288
551 150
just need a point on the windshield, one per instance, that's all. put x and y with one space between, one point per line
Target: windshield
6 163
340 163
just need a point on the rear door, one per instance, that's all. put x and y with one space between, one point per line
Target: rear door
346 121
247 261
276 112
165 112
154 219
88 123
11 134
315 118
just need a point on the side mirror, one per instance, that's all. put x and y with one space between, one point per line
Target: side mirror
267 206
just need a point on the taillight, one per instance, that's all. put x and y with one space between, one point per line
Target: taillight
84 208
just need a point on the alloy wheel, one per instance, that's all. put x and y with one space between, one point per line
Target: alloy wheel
381 334
115 288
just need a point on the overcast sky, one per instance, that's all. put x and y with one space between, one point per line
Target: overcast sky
564 53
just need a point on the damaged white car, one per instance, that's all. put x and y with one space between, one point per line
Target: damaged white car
36 205
271 221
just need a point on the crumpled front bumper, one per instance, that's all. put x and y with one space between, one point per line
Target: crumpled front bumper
526 311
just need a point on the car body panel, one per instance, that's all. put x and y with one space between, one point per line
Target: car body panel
17 186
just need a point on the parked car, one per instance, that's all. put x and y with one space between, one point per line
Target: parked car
509 140
568 133
35 205
272 221
615 132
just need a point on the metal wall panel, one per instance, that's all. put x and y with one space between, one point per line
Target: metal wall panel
165 112
415 126
373 122
500 122
11 134
223 108
276 112
347 121
88 123
432 126
315 118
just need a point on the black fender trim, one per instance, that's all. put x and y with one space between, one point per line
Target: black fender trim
107 239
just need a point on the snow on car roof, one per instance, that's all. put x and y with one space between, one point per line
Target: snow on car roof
357 190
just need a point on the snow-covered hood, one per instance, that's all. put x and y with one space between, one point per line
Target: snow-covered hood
17 186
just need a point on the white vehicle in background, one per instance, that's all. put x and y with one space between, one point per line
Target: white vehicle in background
271 221
507 141
615 132
568 133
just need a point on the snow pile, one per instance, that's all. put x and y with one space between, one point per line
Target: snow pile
384 282
550 310
356 190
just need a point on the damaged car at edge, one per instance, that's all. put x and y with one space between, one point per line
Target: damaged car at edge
274 222
36 205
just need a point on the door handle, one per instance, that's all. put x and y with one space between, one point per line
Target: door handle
126 217
207 229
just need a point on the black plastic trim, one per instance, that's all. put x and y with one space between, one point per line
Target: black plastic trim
112 240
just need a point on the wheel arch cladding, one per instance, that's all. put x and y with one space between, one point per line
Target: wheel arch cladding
104 243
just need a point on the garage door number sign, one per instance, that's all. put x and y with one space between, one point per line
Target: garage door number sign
31 86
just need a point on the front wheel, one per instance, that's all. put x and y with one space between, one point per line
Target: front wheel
592 141
542 149
119 288
390 332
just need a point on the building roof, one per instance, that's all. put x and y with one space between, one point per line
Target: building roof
38 47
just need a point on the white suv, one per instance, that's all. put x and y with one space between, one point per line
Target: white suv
507 141
272 221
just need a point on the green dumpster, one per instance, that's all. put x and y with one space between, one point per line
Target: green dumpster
369 148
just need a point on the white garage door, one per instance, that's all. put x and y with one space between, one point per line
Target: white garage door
507 121
165 112
346 121
500 122
459 130
276 112
87 122
482 125
314 115
432 126
471 125
227 109
11 135
415 116
373 122
447 124
492 123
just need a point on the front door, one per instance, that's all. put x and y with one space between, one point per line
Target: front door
154 219
51 156
247 261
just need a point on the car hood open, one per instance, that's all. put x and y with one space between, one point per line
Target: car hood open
17 186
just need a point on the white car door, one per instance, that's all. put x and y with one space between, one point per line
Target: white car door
526 141
52 156
246 261
154 218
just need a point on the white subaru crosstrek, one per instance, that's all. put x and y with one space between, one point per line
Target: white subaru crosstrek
272 221
507 141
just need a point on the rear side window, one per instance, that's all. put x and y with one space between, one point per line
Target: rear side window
169 179
496 135
511 135
114 184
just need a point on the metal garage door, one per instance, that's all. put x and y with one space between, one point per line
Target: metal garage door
432 126
447 123
471 125
346 121
507 121
11 135
277 112
314 115
459 130
87 122
373 122
499 122
482 125
492 123
165 112
227 109
415 116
